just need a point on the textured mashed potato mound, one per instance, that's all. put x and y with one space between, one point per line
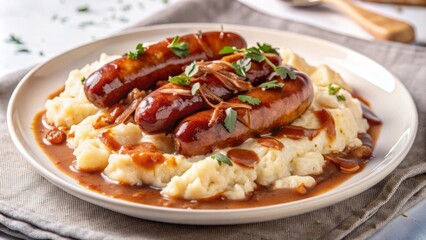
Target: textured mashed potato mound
303 157
207 179
321 76
123 169
72 106
202 177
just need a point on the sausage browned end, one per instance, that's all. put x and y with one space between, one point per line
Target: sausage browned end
161 112
116 79
279 106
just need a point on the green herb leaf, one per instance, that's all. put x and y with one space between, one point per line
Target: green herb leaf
266 48
333 89
227 50
250 100
242 66
283 72
195 88
23 50
230 120
180 80
135 55
86 23
191 69
271 84
83 79
14 39
340 98
222 159
255 54
83 9
181 49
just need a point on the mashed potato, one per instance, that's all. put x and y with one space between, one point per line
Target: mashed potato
202 176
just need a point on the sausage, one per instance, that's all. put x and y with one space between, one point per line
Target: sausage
278 107
116 79
160 112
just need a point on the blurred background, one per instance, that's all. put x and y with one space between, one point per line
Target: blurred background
33 31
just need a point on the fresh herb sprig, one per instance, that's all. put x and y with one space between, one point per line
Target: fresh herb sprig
334 89
14 39
83 80
140 49
83 9
222 159
230 120
185 80
242 66
191 69
180 80
258 54
181 49
271 84
195 88
250 100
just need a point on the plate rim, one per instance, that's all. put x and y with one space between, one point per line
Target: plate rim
79 192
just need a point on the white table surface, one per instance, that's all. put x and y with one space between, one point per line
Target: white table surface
50 27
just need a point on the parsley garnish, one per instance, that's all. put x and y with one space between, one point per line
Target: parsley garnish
340 98
181 49
230 120
220 158
195 88
23 50
271 84
283 72
227 50
83 9
191 69
83 79
250 100
333 90
135 55
183 80
242 66
258 54
180 80
14 39
86 23
266 48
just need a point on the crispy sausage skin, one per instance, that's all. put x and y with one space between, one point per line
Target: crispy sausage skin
279 106
116 79
161 112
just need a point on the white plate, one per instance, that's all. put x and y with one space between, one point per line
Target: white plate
388 97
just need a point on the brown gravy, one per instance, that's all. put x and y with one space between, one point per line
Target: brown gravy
62 157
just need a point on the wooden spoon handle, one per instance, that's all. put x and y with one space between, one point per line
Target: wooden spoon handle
381 27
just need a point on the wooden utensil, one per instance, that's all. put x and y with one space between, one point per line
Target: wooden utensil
381 27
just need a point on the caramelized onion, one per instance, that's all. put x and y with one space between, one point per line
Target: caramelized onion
221 107
129 111
203 45
177 91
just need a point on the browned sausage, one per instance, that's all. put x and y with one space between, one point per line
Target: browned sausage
161 112
116 79
279 106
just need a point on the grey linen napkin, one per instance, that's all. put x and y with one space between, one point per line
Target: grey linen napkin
31 207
